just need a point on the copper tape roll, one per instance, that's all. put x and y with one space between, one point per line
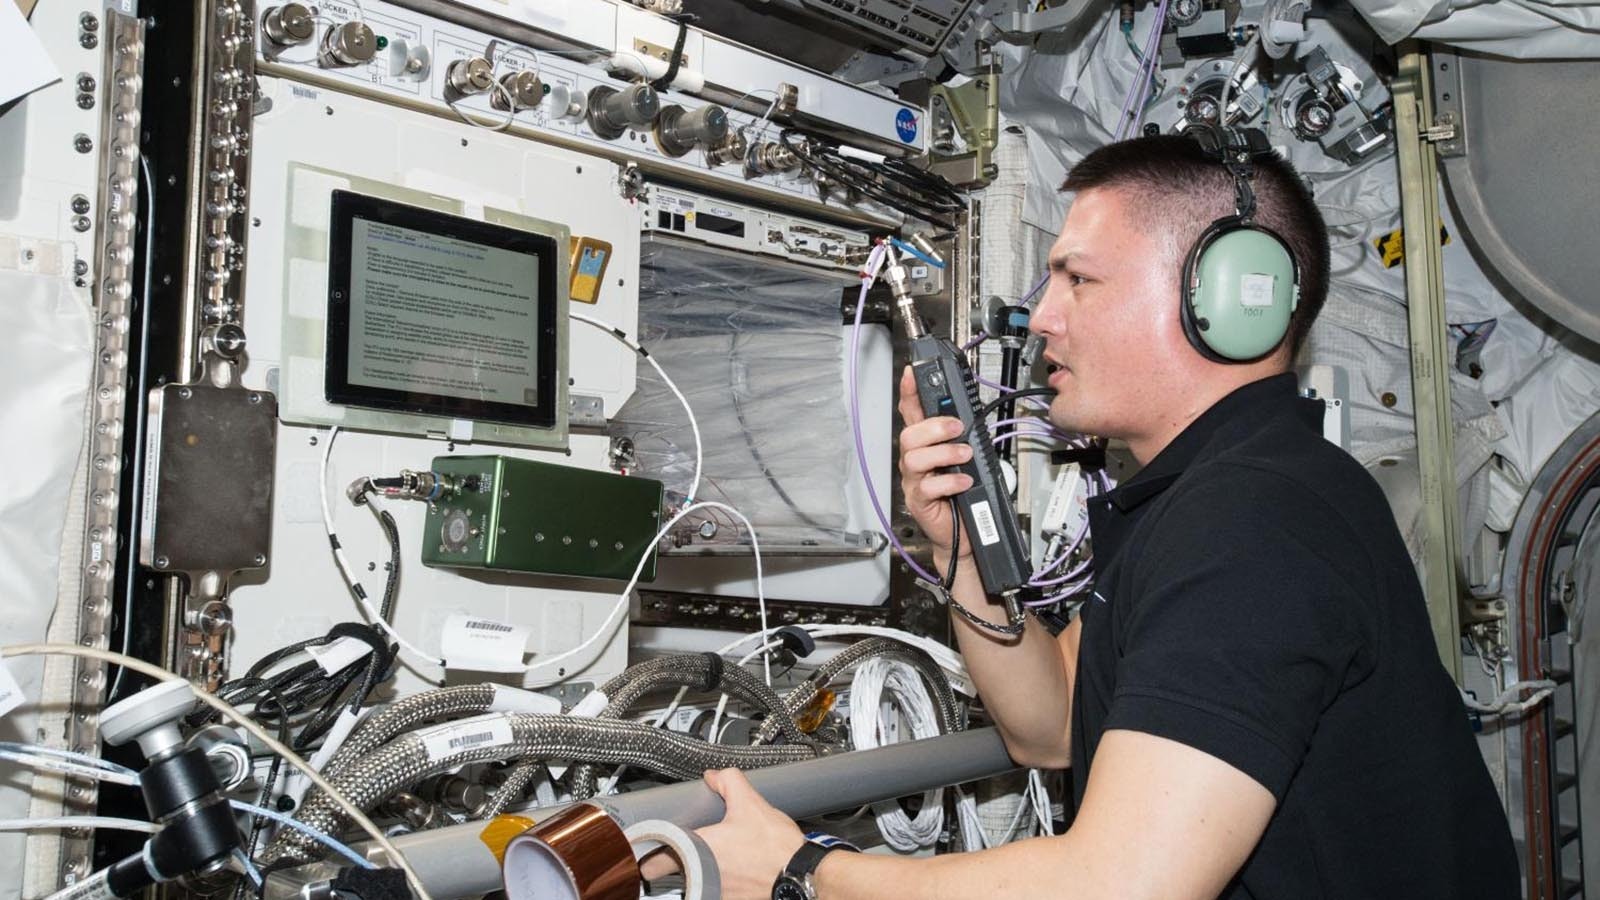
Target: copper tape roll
579 854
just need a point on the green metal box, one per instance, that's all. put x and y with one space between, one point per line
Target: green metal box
517 515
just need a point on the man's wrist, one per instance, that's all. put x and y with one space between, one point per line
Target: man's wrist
828 876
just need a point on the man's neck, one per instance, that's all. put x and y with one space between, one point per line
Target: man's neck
1146 447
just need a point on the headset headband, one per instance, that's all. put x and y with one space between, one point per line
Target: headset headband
1237 149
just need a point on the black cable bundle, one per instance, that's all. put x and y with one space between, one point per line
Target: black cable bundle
895 183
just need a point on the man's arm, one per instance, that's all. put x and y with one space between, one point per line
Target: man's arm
1159 819
1026 684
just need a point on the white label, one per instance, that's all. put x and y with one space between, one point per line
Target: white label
483 645
984 519
338 653
152 469
10 691
1255 289
1062 497
919 271
517 700
490 730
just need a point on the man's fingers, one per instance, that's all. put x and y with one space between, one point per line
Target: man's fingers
923 460
910 407
937 430
732 787
659 863
937 487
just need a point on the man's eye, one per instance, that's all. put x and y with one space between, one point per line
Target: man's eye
1075 279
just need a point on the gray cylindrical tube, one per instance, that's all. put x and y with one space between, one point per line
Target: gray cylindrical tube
455 862
851 779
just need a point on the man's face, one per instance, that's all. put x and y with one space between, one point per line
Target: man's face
1110 320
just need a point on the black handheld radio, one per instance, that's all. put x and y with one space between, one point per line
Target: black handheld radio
946 387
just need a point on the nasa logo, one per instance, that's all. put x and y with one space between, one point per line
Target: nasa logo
905 125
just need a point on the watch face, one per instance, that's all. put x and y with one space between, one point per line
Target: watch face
788 887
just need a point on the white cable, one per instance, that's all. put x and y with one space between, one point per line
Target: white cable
540 670
947 659
870 720
973 837
71 755
319 836
292 758
1505 702
694 425
1040 800
359 592
1227 84
79 822
248 867
722 702
65 767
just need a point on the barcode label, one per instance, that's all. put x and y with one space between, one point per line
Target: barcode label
482 645
984 519
486 625
471 740
478 732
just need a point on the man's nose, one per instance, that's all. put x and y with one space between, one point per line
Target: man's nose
1046 319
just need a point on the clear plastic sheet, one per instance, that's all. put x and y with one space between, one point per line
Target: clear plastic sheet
758 349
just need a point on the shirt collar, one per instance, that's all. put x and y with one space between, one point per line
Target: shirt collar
1253 402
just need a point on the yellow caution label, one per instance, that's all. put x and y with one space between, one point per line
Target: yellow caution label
1392 246
499 832
587 268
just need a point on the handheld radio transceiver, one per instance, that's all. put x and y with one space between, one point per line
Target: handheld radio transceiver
947 387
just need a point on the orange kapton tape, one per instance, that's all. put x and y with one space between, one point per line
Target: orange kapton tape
580 854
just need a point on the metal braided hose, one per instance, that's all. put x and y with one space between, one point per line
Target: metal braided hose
406 760
512 789
696 670
406 715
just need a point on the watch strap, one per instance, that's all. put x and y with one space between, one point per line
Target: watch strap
806 859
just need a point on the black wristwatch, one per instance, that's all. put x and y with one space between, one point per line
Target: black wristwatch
795 881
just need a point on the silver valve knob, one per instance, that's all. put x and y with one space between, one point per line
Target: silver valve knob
472 75
522 90
350 44
289 25
678 131
611 112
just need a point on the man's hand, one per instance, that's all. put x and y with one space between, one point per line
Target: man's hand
924 449
752 843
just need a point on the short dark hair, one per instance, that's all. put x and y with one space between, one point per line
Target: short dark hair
1175 182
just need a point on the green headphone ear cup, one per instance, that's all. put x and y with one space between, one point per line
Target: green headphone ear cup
1242 293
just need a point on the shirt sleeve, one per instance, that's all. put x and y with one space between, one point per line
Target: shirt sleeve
1240 629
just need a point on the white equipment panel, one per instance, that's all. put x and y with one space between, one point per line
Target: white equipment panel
309 128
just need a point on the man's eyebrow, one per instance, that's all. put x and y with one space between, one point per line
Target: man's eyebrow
1065 258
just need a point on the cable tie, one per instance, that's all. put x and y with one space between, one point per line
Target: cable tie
797 640
714 669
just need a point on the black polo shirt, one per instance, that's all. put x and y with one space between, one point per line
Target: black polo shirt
1255 601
